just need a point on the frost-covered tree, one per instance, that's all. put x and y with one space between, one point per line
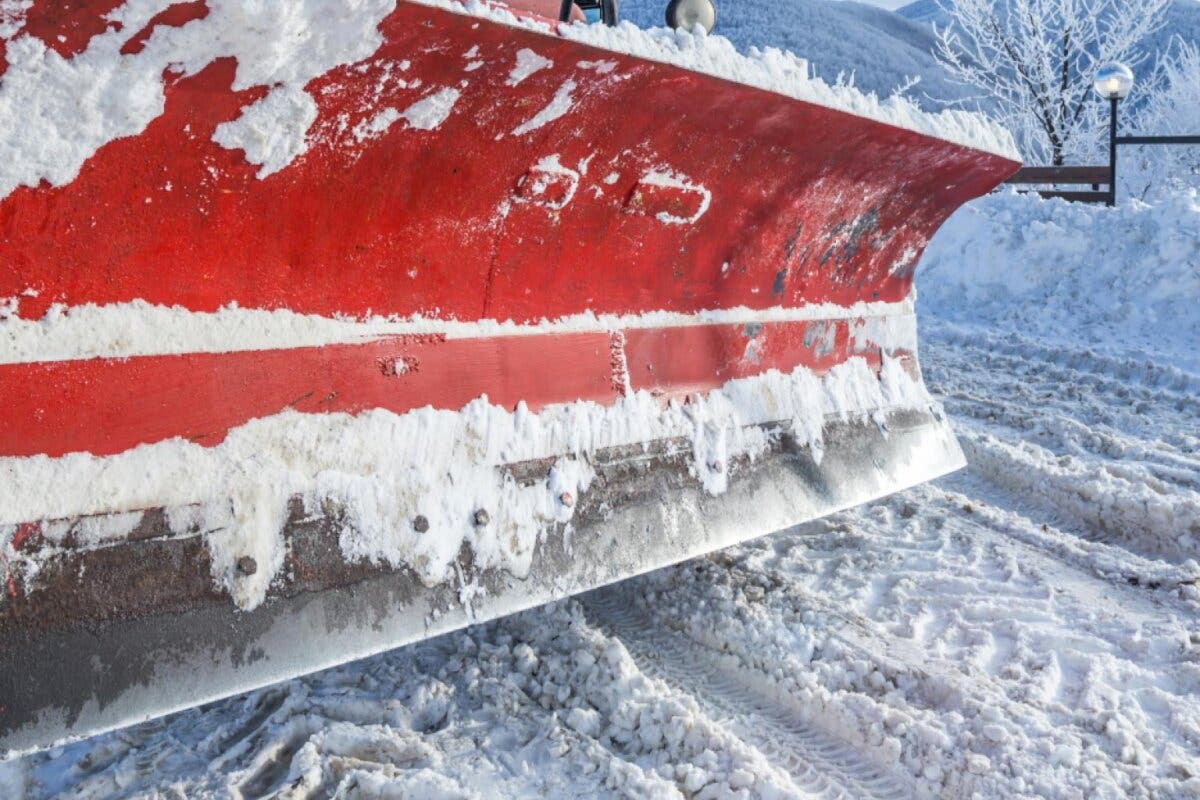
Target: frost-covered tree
1171 109
1175 107
1034 60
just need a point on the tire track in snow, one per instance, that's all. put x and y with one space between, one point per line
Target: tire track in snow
1073 377
1132 369
933 609
1117 461
817 763
1143 516
997 511
1065 434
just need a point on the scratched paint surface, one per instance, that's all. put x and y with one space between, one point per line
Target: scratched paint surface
772 201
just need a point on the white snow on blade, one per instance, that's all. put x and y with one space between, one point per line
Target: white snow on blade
769 68
543 172
12 16
272 130
892 331
559 105
137 328
379 470
58 112
600 67
528 62
426 114
41 99
430 112
675 180
375 126
93 531
63 110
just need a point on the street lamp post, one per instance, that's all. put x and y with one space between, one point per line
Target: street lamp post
1112 150
1113 82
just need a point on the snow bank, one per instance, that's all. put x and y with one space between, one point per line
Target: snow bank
1126 278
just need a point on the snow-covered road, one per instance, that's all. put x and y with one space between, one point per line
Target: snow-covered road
1025 628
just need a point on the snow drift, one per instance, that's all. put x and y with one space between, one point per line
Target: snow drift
1125 278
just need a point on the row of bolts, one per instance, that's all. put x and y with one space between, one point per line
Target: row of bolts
246 565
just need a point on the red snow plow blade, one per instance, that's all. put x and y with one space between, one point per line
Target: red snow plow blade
293 373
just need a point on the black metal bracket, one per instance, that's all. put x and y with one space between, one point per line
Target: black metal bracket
1158 140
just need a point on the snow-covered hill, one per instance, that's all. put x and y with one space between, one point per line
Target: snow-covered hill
881 49
922 11
1183 20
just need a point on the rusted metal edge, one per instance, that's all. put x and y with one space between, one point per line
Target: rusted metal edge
157 570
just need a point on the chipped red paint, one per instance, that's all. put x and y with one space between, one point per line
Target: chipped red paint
695 359
675 204
66 26
23 532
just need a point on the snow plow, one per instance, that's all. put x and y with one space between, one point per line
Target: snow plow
327 327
